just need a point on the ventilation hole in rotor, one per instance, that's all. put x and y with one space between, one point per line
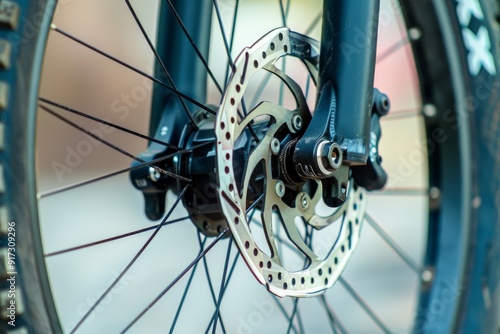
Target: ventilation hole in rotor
280 276
320 272
231 187
302 280
326 281
238 88
357 221
232 120
285 286
280 36
269 264
293 281
226 169
329 270
228 156
222 125
270 278
312 280
336 260
361 196
228 136
264 55
261 264
255 63
232 101
285 48
255 252
342 249
236 220
272 46
355 207
247 244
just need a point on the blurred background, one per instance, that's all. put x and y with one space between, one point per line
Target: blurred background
82 79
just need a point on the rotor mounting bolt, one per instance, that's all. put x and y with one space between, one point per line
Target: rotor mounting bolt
280 189
297 122
304 201
275 146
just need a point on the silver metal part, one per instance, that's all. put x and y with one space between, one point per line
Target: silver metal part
154 175
275 146
297 122
280 189
306 209
329 157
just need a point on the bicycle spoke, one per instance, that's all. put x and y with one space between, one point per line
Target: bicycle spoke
223 286
402 192
361 302
210 284
402 114
188 35
393 49
233 29
284 12
313 24
131 263
186 290
392 243
157 56
99 120
164 291
125 170
130 67
116 148
284 18
337 326
118 237
223 33
285 314
292 317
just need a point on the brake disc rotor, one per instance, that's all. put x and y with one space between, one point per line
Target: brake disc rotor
272 127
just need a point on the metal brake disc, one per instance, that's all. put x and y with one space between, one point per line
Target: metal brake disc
271 127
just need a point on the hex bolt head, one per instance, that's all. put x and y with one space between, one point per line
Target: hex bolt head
304 201
280 189
297 122
331 155
275 146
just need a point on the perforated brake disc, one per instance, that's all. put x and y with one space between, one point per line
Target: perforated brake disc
271 127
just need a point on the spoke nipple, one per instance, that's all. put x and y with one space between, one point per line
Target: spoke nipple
427 276
275 146
434 198
476 202
280 189
53 26
429 110
297 122
414 34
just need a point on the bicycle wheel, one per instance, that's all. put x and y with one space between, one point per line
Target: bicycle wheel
80 257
